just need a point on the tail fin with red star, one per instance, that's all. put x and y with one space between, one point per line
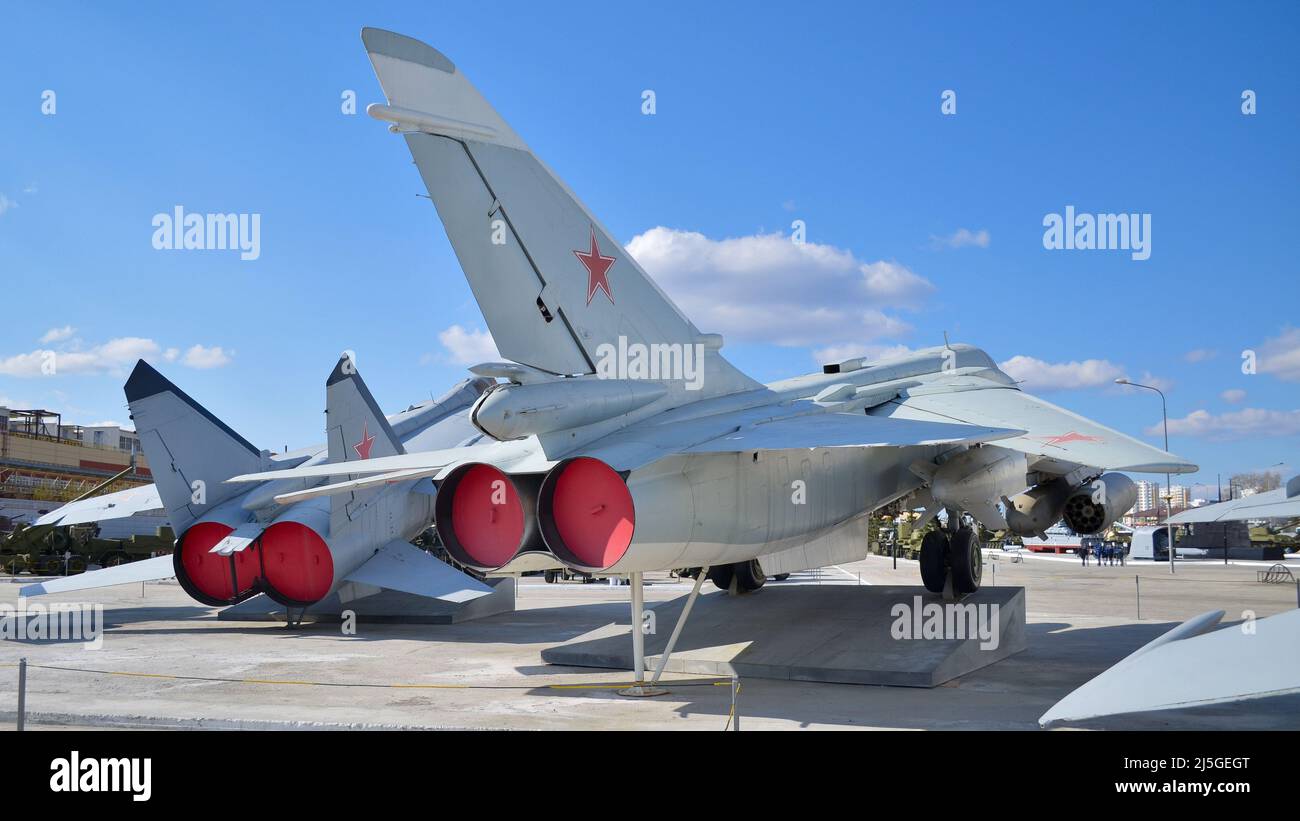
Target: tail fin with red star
356 429
558 292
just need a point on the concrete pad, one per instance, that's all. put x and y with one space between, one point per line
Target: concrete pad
487 673
844 634
384 607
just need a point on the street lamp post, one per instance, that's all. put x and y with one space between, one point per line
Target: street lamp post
1169 489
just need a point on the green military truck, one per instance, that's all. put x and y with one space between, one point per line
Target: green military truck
48 550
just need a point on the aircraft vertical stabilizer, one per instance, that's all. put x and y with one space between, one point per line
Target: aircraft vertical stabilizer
191 453
553 284
356 430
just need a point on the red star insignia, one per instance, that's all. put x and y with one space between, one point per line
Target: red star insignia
367 441
597 269
1066 438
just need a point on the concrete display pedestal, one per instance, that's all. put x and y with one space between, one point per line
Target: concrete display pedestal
846 634
385 607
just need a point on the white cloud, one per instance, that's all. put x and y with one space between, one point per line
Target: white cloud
58 334
876 353
765 287
113 357
466 347
6 204
963 238
1242 424
1280 355
171 353
203 359
1056 376
1233 395
1148 378
1200 355
30 189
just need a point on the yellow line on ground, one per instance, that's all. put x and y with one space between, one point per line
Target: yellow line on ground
298 683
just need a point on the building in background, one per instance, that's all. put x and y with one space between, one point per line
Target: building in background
1182 497
45 462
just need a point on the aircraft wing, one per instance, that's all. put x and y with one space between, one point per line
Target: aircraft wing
1061 439
408 465
147 570
117 505
1283 503
1193 665
838 430
401 566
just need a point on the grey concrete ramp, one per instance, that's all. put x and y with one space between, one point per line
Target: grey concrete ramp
848 634
385 607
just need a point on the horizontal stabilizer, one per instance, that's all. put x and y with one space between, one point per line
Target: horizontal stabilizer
148 570
117 505
839 430
356 484
403 567
422 460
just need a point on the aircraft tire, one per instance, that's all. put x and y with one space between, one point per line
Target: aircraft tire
749 576
967 561
934 560
721 576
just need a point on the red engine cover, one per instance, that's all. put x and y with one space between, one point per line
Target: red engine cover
592 513
487 516
297 562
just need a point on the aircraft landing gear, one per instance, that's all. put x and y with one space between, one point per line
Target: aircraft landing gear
738 578
934 560
292 620
957 558
967 560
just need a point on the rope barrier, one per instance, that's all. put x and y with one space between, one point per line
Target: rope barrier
299 683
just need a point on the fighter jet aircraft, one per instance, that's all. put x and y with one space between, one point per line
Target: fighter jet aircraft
279 537
621 440
625 441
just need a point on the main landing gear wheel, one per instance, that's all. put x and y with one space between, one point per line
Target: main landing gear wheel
721 576
748 576
967 561
934 560
739 577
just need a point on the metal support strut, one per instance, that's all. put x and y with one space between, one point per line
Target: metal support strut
639 687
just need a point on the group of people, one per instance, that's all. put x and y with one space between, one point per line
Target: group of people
1109 553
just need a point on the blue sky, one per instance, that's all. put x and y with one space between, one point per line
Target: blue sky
820 113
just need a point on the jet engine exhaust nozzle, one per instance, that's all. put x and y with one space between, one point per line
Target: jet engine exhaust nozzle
298 566
484 516
586 512
210 578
